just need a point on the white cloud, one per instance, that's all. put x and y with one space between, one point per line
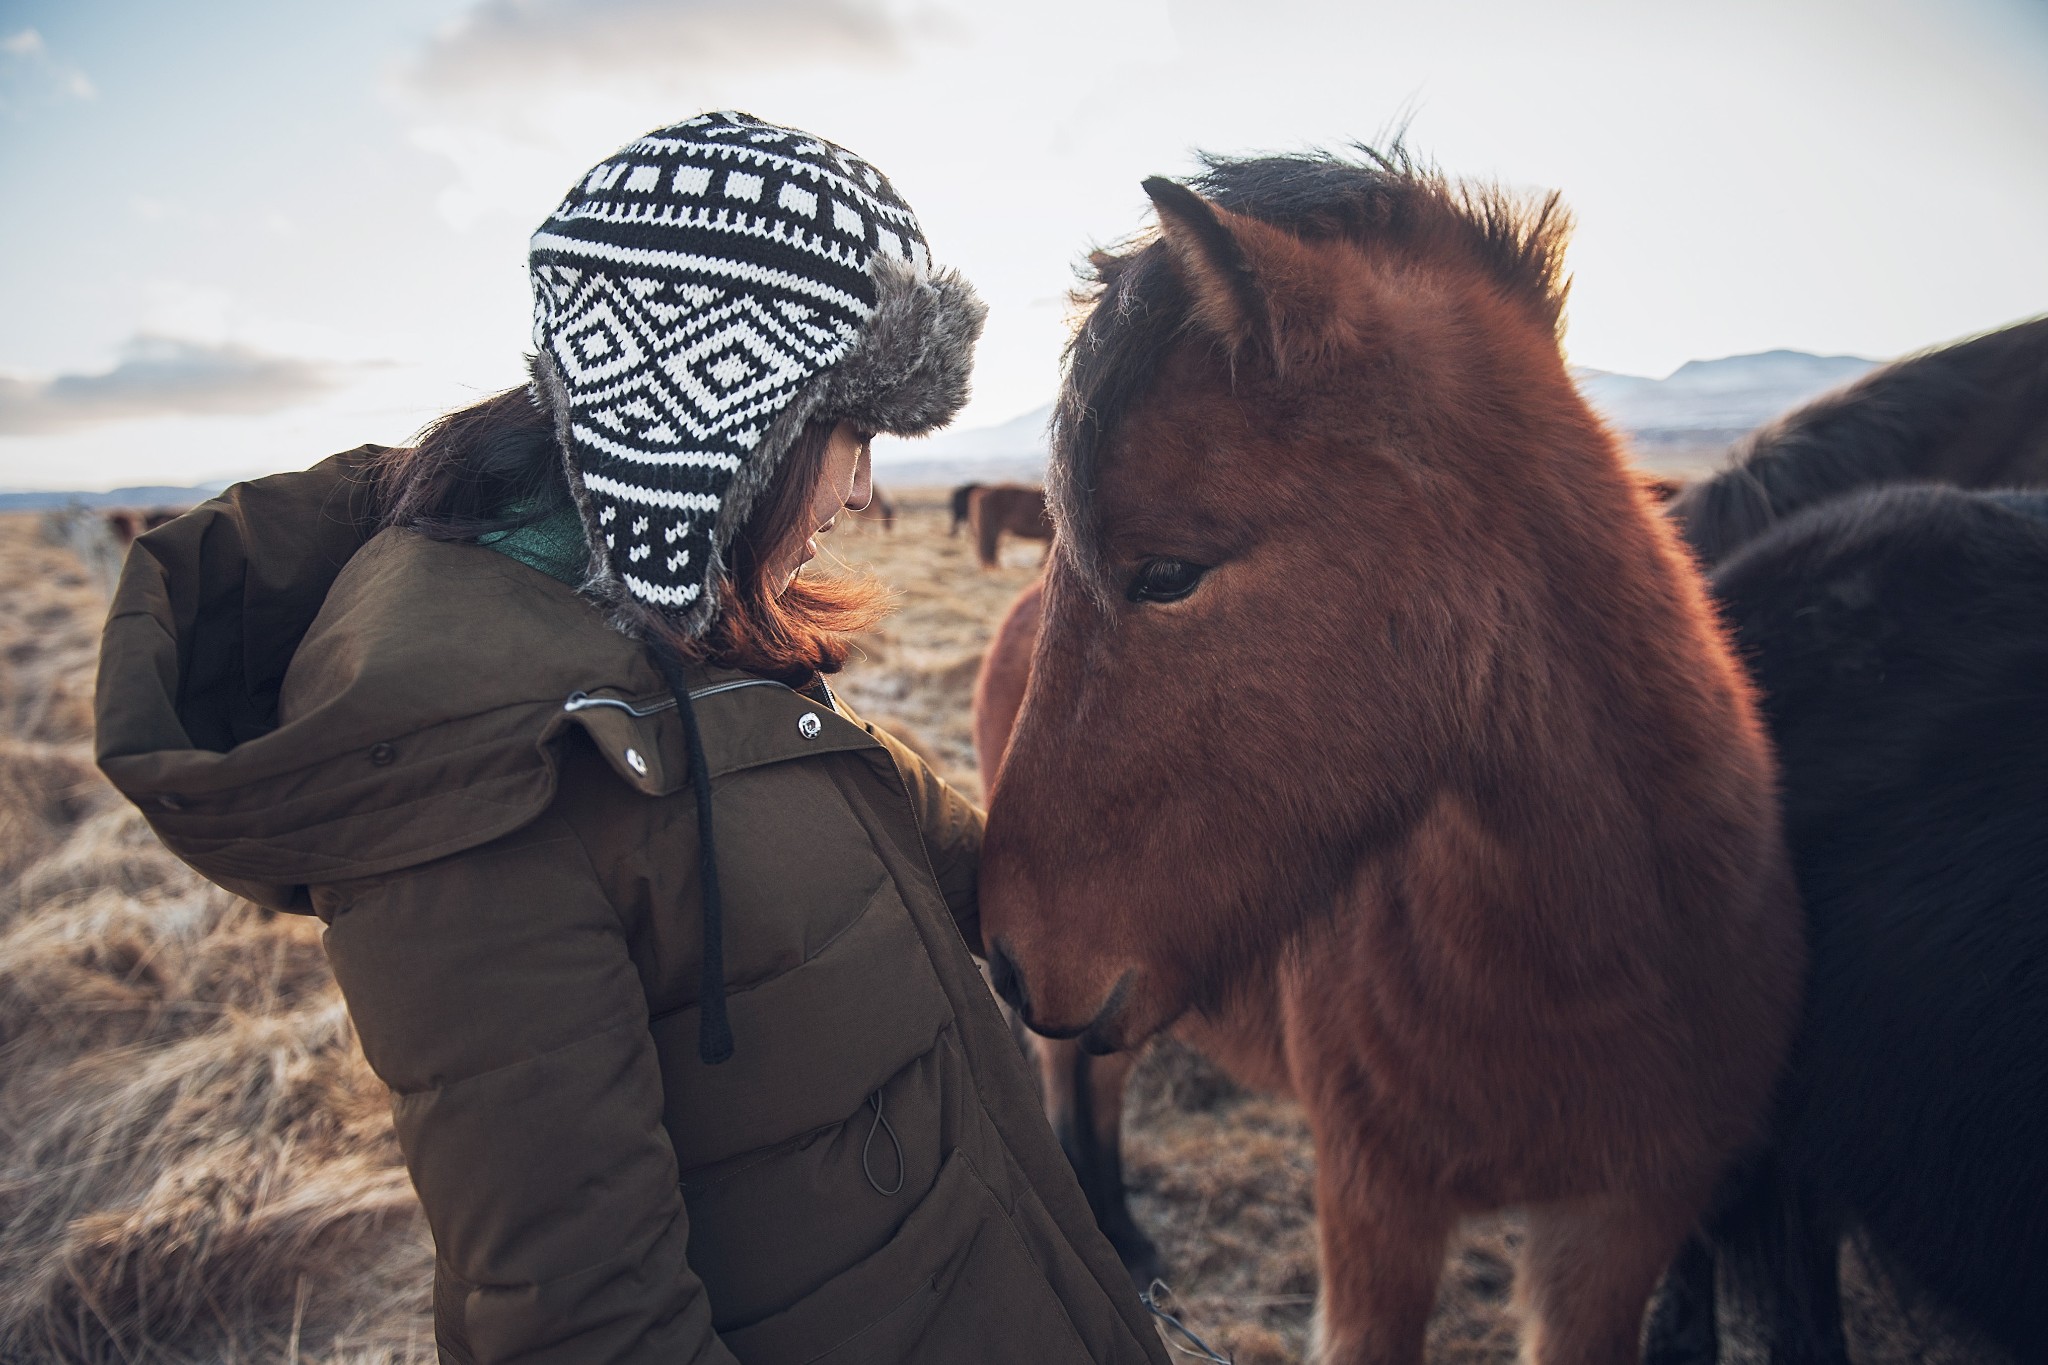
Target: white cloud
29 74
518 96
524 46
161 376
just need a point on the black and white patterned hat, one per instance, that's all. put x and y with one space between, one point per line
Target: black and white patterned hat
698 297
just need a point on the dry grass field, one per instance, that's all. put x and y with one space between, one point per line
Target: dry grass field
196 1166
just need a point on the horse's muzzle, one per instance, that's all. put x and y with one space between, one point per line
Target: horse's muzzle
1097 1036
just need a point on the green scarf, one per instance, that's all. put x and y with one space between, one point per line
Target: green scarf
554 545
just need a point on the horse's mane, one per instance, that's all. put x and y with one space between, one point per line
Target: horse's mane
1139 305
1887 427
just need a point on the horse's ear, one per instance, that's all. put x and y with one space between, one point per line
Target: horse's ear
1241 271
1228 300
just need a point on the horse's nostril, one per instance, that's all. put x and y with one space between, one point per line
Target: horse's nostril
1007 980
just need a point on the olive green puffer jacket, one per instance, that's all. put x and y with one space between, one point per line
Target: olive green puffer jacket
482 790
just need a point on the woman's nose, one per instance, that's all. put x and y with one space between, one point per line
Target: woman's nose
863 482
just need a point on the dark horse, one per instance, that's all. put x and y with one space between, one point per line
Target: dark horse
1973 415
1901 641
1901 644
961 496
1379 722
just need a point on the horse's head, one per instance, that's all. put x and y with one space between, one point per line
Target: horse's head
1289 430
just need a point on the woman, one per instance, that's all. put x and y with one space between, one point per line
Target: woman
663 953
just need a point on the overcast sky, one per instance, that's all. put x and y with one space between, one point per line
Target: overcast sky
236 236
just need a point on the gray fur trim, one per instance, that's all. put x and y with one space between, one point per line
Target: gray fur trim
908 374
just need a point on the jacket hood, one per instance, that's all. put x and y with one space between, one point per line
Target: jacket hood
293 697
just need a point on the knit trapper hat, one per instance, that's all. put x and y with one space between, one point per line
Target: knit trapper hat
699 297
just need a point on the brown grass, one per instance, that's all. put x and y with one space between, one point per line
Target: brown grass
196 1165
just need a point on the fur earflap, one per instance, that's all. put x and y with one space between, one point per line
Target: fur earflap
908 374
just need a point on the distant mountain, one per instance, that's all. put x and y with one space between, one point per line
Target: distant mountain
1732 395
1010 451
146 496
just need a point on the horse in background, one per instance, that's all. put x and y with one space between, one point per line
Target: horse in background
961 496
1660 488
1379 723
1972 415
1016 508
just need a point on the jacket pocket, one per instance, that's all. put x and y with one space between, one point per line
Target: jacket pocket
812 1044
954 1284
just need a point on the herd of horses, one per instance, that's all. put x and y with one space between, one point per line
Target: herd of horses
1671 864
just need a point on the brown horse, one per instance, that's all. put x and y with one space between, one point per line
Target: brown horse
1971 415
1018 508
1898 425
1379 724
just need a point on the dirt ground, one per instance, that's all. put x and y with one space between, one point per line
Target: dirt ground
196 1166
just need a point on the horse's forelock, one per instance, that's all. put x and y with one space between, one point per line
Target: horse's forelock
1138 308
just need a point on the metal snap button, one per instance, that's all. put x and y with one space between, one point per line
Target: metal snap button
809 726
635 762
381 754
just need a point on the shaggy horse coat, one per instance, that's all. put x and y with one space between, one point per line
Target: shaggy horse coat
1017 508
1775 1239
1379 724
1975 413
1901 642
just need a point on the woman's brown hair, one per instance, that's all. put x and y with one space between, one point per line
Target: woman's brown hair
497 466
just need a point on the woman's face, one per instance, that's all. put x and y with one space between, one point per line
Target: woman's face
846 482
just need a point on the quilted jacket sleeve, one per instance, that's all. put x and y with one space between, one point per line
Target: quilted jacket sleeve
493 992
951 825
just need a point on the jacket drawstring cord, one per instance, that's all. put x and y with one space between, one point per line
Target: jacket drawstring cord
882 1125
714 1029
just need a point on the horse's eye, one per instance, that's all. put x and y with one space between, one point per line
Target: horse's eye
1165 580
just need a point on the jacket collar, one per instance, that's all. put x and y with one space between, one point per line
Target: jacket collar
745 721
